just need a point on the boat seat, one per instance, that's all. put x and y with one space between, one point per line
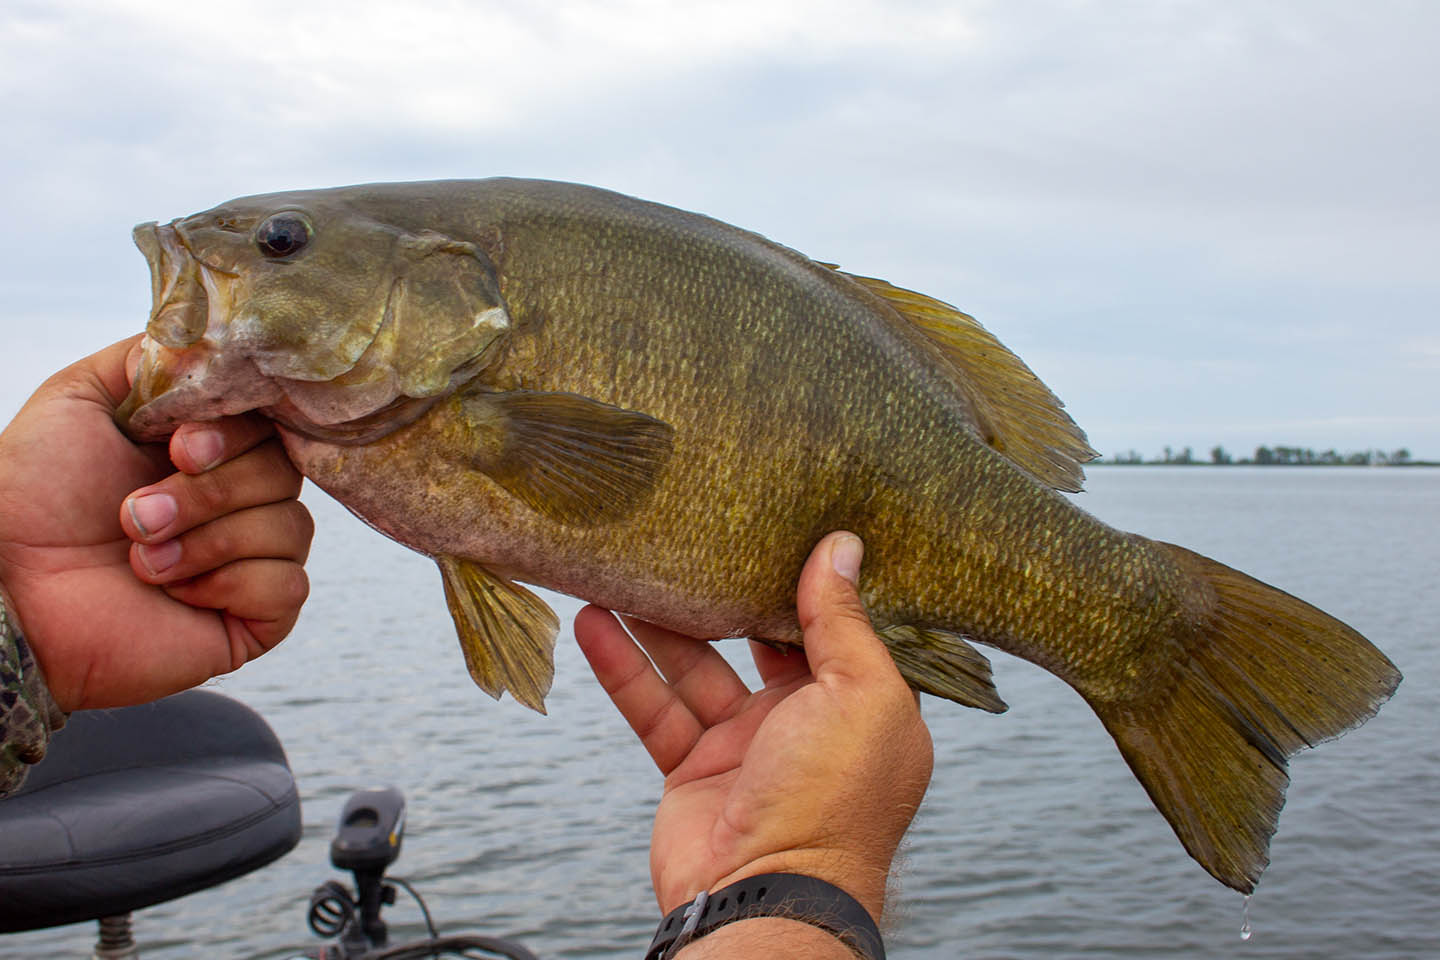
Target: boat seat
139 805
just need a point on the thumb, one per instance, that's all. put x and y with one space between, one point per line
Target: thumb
99 377
838 637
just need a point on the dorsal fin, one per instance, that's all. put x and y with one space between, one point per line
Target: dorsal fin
1017 414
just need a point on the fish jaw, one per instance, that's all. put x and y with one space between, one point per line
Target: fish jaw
181 306
175 386
184 372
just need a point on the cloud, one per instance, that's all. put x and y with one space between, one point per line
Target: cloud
1222 187
439 66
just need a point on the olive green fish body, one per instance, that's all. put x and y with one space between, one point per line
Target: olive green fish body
661 414
778 439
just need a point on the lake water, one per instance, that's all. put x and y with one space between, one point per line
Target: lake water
1034 841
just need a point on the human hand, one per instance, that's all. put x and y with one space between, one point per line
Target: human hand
817 773
124 599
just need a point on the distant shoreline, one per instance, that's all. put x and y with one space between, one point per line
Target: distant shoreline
1252 463
1266 456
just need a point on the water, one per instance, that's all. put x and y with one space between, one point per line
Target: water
1034 841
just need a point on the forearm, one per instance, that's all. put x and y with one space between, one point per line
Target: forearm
765 938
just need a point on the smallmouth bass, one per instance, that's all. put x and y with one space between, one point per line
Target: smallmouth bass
659 413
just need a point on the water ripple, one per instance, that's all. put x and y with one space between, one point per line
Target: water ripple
1034 841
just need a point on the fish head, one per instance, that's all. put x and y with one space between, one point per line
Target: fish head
309 309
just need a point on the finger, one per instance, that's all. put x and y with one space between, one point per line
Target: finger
100 379
197 447
108 368
655 712
277 530
265 594
695 670
135 350
778 667
839 640
182 501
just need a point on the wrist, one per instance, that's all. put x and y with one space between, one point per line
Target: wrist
767 937
797 899
863 877
38 676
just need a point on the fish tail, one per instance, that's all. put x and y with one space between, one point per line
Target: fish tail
1262 675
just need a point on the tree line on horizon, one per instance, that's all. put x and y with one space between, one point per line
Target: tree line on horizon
1265 456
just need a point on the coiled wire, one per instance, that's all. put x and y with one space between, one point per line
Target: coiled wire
332 909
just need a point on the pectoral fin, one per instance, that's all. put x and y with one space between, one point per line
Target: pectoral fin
575 460
506 632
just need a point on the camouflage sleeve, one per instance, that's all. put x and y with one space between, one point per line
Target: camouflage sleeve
28 715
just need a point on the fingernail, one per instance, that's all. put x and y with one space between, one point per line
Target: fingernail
152 512
845 556
160 557
204 446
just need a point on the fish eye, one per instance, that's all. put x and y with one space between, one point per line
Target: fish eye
282 234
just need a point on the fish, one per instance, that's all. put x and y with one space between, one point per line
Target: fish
552 384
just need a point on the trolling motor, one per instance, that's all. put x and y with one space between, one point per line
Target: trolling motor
366 842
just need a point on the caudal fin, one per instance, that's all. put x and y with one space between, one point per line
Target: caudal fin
1262 675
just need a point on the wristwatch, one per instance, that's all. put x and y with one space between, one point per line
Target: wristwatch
788 895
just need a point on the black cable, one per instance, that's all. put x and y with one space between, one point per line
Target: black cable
332 909
456 944
429 924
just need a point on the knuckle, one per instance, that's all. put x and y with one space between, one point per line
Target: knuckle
239 433
658 719
303 525
290 530
249 425
278 466
842 620
219 544
294 588
210 492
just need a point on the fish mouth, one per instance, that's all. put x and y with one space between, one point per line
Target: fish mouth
182 375
180 307
179 313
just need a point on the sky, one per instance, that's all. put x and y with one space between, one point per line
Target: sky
1200 223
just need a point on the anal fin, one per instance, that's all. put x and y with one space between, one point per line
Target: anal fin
506 632
942 664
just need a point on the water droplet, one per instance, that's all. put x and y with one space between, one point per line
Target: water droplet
1245 923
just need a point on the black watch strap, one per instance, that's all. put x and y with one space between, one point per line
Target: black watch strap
788 895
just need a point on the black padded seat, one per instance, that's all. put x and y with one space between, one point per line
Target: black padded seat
136 806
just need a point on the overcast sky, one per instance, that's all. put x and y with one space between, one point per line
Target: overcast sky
1200 222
